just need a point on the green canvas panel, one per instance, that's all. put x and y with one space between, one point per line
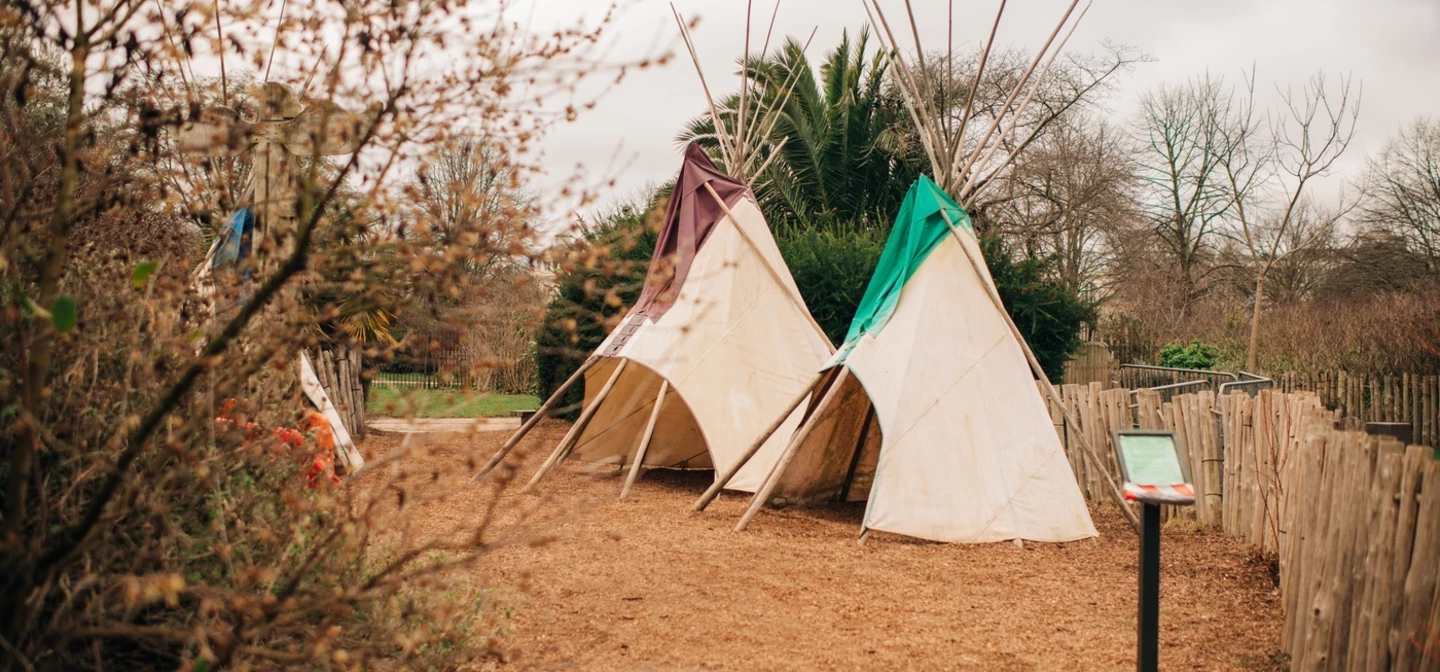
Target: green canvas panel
919 227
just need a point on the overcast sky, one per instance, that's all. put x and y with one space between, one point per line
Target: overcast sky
1392 47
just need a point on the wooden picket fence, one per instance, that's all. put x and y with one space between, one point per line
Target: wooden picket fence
1406 398
1360 554
1259 436
1411 399
1092 363
1352 520
1100 411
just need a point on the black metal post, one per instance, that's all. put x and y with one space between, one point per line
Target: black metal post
1149 655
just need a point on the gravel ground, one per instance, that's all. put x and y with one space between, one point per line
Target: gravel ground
638 584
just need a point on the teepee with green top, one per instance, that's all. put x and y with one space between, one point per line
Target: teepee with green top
931 411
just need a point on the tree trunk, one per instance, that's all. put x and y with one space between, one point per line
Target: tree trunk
1250 356
37 362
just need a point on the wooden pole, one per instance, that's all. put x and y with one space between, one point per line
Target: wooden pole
1430 410
794 446
573 436
1114 488
799 301
534 420
342 388
724 479
357 389
645 439
726 152
859 451
1408 402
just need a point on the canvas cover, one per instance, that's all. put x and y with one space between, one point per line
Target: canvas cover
907 248
229 253
734 341
689 217
968 452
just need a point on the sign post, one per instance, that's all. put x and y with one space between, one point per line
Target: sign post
1155 473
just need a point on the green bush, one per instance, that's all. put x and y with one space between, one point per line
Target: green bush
832 269
1195 356
1048 314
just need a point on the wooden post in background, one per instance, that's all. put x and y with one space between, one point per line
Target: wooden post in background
339 370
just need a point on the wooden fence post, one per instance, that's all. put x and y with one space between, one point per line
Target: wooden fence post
1390 638
1296 587
1314 637
1374 558
1432 432
1415 643
357 367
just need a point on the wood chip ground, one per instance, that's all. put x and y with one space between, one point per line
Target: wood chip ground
641 584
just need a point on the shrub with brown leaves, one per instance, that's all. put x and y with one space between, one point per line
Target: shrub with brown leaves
149 522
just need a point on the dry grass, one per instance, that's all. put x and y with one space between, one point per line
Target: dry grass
639 584
1384 333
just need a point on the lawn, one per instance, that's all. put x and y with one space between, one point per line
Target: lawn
398 402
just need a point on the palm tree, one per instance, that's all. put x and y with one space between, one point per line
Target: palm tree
841 158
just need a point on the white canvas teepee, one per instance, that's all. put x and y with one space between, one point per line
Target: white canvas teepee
735 345
971 454
935 420
720 350
718 344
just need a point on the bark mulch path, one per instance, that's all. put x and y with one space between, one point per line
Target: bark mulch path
639 584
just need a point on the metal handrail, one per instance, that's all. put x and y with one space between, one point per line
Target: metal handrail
1253 380
1208 372
1172 386
1134 394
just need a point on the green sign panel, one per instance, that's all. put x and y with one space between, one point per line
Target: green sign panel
1150 459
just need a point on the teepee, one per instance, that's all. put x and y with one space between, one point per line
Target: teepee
719 344
930 411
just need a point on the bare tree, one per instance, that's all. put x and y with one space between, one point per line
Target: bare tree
1181 193
1374 261
1267 178
973 107
1067 196
470 189
1310 260
472 194
1403 190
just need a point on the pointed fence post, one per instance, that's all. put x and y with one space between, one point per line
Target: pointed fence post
534 420
562 451
644 444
